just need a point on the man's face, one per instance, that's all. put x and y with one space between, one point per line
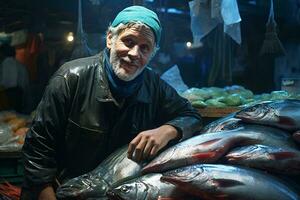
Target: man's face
130 51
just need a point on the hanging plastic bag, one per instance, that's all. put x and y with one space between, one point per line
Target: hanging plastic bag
231 18
206 15
201 21
172 77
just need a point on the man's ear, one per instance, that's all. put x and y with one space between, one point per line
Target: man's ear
108 40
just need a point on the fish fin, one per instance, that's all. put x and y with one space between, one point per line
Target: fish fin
226 183
204 155
171 179
283 155
210 142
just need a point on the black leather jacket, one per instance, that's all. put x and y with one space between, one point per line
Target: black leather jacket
78 122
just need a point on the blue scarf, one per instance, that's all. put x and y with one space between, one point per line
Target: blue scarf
118 87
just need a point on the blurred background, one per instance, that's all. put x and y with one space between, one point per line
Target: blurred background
45 34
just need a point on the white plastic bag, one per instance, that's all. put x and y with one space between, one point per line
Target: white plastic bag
172 77
206 15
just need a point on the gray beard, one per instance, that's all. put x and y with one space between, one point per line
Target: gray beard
119 71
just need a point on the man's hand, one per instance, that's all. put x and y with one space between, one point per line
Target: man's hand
47 194
147 143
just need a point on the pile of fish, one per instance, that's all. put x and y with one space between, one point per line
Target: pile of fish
253 154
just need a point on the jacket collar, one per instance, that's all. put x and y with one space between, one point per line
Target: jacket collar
103 93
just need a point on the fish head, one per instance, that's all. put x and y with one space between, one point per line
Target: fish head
185 175
258 112
84 186
137 190
204 180
231 124
247 152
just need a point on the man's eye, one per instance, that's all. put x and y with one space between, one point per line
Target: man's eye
145 48
128 42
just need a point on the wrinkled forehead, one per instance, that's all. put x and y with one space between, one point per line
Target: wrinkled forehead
139 32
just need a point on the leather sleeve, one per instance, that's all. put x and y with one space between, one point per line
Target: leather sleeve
177 111
45 136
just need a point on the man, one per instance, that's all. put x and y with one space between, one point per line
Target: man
94 105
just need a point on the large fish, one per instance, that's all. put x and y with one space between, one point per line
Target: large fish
212 181
209 147
284 114
147 187
274 159
226 123
95 183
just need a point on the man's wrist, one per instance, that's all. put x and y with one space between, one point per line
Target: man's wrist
173 133
47 193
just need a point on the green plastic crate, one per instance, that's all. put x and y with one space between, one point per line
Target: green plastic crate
11 168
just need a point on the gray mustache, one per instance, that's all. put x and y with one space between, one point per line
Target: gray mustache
130 61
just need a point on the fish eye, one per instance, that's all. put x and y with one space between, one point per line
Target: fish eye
266 108
179 170
251 109
125 189
230 126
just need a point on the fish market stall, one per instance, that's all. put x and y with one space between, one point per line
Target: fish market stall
251 154
13 128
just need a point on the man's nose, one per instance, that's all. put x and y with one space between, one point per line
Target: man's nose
134 51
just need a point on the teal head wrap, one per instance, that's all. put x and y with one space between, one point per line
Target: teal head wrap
141 14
